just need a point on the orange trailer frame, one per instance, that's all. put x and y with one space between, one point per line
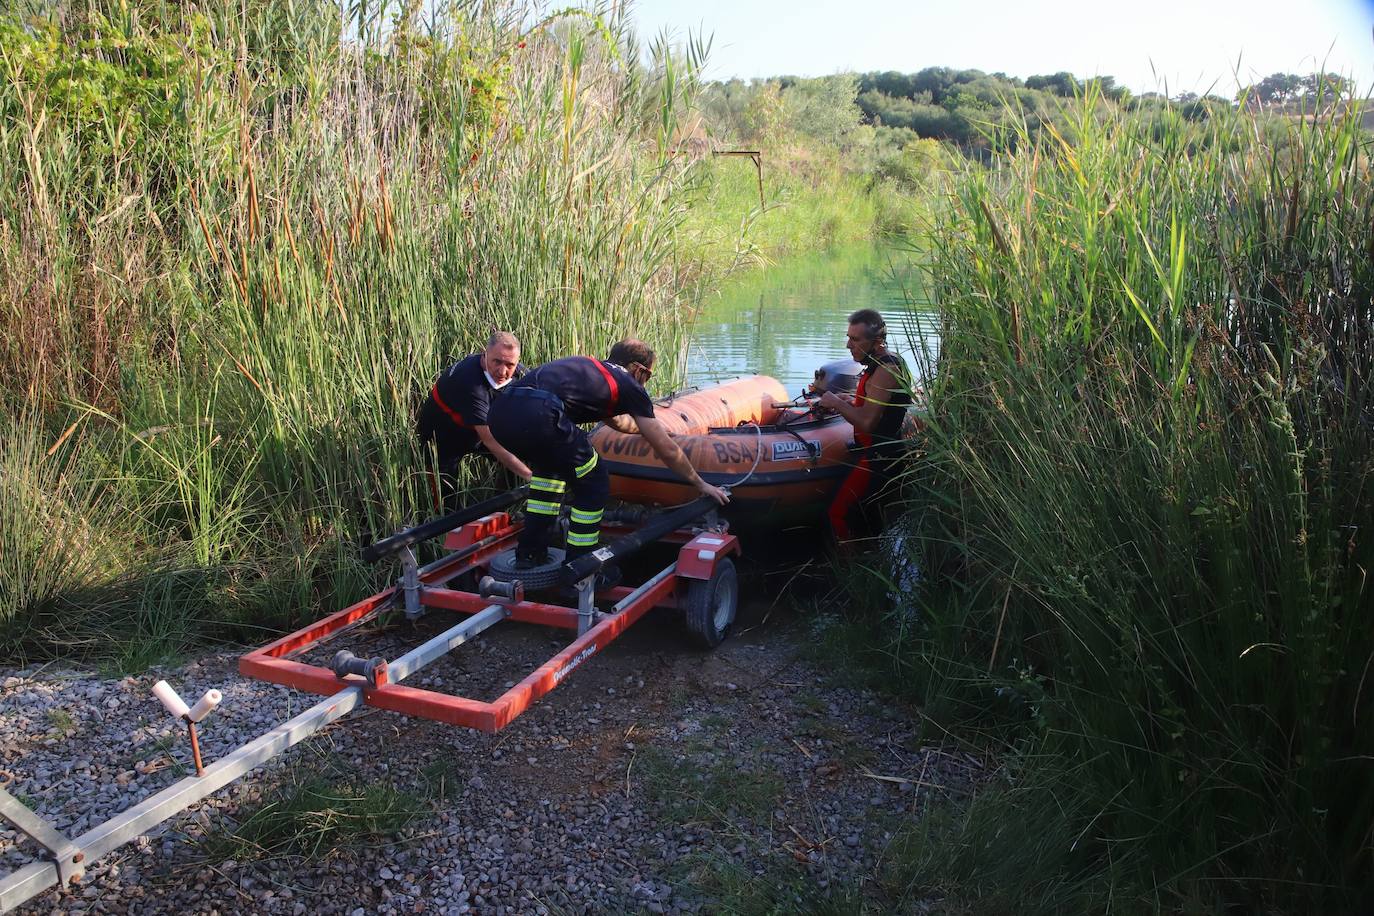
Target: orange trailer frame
473 546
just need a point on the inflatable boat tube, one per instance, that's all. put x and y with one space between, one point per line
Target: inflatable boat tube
783 462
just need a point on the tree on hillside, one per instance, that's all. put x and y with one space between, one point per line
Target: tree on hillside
1278 88
1062 84
824 108
1326 85
889 83
934 80
764 116
1108 87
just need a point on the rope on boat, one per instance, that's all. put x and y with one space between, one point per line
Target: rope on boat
758 454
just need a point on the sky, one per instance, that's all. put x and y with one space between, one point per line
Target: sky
1180 46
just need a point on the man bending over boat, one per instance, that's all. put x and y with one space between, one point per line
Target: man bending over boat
537 420
454 416
877 412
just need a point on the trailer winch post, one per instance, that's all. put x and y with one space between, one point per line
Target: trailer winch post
25 883
586 604
410 584
195 748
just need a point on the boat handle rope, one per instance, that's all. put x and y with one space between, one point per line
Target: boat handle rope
758 455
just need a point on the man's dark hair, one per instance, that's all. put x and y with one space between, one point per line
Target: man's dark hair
872 321
632 350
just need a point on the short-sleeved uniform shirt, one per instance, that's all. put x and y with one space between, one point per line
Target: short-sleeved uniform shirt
458 401
590 389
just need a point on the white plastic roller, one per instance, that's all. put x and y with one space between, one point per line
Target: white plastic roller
206 705
170 701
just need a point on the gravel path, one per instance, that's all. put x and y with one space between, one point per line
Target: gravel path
656 779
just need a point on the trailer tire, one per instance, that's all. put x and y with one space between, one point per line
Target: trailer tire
712 605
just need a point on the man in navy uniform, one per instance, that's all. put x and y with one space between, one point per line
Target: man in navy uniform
537 420
454 415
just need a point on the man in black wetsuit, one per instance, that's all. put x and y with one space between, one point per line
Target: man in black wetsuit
537 420
454 415
877 413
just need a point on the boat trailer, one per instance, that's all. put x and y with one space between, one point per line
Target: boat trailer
479 541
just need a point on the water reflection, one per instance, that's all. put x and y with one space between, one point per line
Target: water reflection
787 319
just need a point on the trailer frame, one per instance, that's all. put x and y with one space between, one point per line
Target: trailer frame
474 544
473 536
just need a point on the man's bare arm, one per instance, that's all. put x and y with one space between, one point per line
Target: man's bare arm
878 393
624 423
657 436
501 454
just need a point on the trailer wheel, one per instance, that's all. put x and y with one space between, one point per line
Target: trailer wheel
711 605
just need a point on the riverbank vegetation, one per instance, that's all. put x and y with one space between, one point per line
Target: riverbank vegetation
1144 513
851 157
235 248
859 156
824 177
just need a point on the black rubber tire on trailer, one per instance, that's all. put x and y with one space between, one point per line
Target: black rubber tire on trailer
502 568
712 605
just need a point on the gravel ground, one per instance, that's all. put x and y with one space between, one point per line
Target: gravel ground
648 782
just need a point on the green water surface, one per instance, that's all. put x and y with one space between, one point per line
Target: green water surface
788 318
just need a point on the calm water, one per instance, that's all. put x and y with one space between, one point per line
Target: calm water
787 319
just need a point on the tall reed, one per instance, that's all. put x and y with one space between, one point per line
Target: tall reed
238 257
1150 464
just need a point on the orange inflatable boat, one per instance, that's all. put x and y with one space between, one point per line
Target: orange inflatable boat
783 461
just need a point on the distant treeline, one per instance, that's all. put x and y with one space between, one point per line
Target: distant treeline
964 107
958 106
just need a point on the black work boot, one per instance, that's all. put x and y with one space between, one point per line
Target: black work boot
532 547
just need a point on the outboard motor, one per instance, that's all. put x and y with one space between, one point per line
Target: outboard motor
840 377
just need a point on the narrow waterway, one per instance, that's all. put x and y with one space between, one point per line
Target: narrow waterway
788 318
